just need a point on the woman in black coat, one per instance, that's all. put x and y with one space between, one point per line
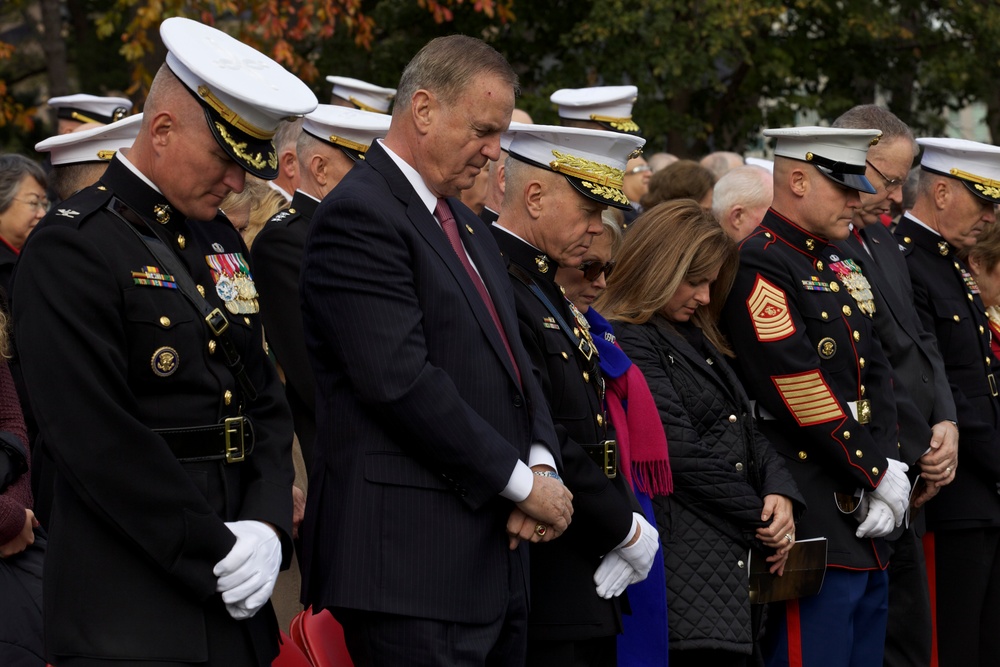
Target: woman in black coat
731 491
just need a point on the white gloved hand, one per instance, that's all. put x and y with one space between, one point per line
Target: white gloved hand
879 521
248 573
613 575
641 553
894 489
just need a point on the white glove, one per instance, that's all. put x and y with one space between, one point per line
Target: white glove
640 555
894 489
613 575
247 574
879 520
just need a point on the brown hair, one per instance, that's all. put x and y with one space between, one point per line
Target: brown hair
987 249
669 243
684 179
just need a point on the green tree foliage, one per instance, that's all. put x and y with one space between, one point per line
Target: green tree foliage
711 73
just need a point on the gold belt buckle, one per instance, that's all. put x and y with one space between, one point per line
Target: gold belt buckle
235 451
217 322
864 411
610 458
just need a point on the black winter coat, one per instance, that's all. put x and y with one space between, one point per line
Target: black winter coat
722 469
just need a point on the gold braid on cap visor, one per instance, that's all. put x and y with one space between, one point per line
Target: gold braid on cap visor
601 179
620 124
232 117
987 186
239 149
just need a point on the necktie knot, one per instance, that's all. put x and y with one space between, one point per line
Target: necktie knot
443 211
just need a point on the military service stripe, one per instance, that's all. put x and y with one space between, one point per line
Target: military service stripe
769 312
808 398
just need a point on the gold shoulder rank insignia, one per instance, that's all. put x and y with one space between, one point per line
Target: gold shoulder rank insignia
769 313
808 398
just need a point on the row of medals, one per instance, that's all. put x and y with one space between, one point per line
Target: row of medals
238 293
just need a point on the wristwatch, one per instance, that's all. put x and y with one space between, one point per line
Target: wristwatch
548 473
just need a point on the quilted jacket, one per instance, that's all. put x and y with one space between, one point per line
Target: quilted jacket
722 469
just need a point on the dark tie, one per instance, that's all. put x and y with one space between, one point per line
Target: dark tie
444 215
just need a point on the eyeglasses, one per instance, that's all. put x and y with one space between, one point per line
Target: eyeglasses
35 204
638 169
890 184
591 270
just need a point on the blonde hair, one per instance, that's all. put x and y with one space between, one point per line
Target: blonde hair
670 243
262 200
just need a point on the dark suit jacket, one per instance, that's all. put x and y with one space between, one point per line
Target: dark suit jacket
565 604
420 415
921 388
277 256
949 305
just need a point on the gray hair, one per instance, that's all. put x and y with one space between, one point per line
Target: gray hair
874 117
287 134
743 185
447 66
609 219
13 169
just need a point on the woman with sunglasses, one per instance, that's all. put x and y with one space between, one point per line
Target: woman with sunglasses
22 204
642 444
731 492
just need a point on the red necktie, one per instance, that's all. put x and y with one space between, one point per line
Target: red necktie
444 215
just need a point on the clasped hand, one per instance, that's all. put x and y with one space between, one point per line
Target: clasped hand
544 515
248 573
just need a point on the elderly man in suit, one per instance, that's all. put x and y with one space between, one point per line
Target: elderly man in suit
436 455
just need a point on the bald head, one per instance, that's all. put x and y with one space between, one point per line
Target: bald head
741 198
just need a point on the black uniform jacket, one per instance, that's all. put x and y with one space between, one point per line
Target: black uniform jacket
277 256
808 354
923 396
947 300
565 604
421 418
110 350
722 469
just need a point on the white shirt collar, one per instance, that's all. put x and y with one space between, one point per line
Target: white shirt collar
135 170
922 223
414 179
284 193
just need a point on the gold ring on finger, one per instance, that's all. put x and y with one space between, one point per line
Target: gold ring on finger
540 530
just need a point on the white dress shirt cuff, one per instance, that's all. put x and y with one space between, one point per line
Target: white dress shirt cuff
519 485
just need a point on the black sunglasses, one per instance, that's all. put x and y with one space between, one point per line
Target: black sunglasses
593 269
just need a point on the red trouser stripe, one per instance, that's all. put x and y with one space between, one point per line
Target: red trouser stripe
793 627
932 588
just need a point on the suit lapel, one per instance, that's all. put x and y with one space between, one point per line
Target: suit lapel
428 227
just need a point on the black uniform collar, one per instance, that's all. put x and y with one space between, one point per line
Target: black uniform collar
303 205
138 195
528 257
912 232
803 241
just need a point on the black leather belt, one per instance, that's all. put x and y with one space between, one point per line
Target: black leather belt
232 441
605 455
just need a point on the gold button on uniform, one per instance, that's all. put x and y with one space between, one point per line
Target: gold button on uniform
907 239
211 347
956 318
834 287
819 266
181 241
565 356
824 315
803 456
847 435
228 397
165 321
586 376
875 471
767 235
857 336
861 362
810 244
860 454
247 320
847 310
732 419
981 330
600 420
